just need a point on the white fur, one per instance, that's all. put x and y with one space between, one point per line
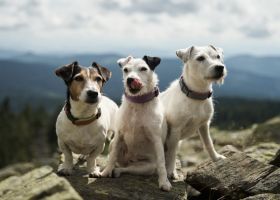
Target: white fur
87 139
186 116
141 131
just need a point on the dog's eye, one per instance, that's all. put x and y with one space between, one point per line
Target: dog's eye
218 56
143 69
98 79
201 58
79 78
125 70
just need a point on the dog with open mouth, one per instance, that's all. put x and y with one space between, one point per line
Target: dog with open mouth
138 145
87 116
188 100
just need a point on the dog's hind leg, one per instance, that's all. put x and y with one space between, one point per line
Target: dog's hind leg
137 168
66 168
208 143
172 142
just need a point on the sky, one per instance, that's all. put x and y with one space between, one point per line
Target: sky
157 27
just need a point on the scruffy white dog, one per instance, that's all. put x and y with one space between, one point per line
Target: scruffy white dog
188 101
87 117
138 146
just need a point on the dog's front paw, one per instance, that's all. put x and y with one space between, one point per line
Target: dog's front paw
165 185
64 171
219 157
95 174
173 175
107 172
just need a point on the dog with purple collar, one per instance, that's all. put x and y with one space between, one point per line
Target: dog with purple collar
141 129
188 103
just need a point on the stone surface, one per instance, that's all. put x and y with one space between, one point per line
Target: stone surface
263 152
238 176
126 187
15 170
268 131
276 159
267 196
40 183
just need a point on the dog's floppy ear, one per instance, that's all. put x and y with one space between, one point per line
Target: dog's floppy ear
103 71
123 61
152 62
67 72
185 54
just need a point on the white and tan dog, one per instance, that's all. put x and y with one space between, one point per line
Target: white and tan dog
87 117
188 103
138 146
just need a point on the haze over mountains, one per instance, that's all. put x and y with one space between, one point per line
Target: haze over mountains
30 77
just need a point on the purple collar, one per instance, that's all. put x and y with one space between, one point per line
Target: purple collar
192 94
143 98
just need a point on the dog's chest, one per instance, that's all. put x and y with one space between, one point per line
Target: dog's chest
190 116
81 139
135 133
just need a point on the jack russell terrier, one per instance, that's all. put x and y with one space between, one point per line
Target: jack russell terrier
188 101
87 116
141 129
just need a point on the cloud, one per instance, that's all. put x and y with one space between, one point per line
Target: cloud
122 25
256 31
12 27
154 7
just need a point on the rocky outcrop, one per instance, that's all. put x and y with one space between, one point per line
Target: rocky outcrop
126 187
276 159
15 170
253 173
268 131
236 177
26 181
40 183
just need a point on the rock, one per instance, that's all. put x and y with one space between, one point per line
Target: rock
276 159
265 132
40 183
238 176
266 196
15 170
269 184
263 152
126 187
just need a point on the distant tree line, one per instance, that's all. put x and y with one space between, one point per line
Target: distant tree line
238 113
30 132
23 134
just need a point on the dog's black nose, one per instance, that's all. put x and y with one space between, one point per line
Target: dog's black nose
129 80
92 94
219 68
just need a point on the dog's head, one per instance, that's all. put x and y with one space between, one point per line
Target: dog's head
204 63
138 74
84 84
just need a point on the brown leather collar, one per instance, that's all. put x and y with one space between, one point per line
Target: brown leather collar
192 94
80 121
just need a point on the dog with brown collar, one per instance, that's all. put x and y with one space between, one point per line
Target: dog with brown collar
87 116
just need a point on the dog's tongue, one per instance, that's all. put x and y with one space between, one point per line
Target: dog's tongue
136 84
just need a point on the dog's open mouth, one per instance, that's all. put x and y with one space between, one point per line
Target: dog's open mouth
135 86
